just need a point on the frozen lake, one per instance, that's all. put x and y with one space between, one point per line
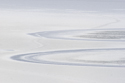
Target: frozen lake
69 41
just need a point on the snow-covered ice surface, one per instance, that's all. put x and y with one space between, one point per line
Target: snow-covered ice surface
62 41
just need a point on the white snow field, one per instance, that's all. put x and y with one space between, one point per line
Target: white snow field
62 41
